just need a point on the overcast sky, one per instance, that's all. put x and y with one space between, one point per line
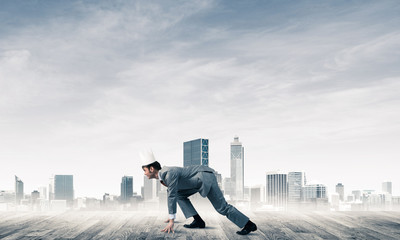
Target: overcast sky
306 85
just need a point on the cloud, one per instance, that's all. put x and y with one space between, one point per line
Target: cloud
378 51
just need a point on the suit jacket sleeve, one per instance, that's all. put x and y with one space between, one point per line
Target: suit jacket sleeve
173 178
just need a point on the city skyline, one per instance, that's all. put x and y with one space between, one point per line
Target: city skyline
85 86
295 181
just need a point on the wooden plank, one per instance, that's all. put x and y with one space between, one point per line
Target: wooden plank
332 222
147 225
273 225
21 226
377 225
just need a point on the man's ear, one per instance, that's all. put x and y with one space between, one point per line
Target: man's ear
151 169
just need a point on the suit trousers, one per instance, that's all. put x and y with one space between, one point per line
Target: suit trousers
217 200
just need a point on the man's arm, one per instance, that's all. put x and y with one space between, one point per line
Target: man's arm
173 179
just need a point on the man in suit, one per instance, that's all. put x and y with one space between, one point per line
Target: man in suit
184 182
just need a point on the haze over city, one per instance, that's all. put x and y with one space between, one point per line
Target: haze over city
307 86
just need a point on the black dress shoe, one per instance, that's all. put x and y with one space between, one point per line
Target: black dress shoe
196 224
250 227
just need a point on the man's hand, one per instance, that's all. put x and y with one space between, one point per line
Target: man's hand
169 227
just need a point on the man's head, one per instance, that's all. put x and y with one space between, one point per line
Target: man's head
149 164
151 170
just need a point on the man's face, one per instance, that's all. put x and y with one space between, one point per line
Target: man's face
150 173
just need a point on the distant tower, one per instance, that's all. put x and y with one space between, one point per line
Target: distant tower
43 192
276 189
19 190
237 168
151 187
387 187
64 188
296 183
51 188
219 179
195 152
357 194
126 188
340 191
35 195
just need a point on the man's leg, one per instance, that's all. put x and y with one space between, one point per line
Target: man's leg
185 204
188 209
218 201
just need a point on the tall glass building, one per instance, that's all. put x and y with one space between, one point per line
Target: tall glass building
195 152
237 168
151 188
296 183
126 188
64 188
19 190
340 191
387 187
277 189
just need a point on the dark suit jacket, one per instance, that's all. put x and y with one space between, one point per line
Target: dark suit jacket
178 178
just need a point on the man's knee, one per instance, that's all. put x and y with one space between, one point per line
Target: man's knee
223 209
182 198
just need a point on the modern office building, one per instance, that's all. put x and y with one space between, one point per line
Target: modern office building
126 188
356 194
237 168
276 189
19 190
257 194
340 191
64 188
218 176
43 192
7 196
35 195
51 188
195 152
387 187
296 183
228 187
151 188
314 191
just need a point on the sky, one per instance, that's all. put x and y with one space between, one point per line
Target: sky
306 86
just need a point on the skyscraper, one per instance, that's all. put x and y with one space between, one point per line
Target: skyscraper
296 182
228 187
43 192
64 188
257 194
387 187
151 187
340 191
51 188
237 168
35 195
195 152
276 189
19 190
357 194
126 188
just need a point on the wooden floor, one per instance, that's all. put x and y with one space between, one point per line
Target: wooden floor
147 225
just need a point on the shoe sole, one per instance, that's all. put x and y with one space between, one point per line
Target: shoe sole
251 230
194 227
